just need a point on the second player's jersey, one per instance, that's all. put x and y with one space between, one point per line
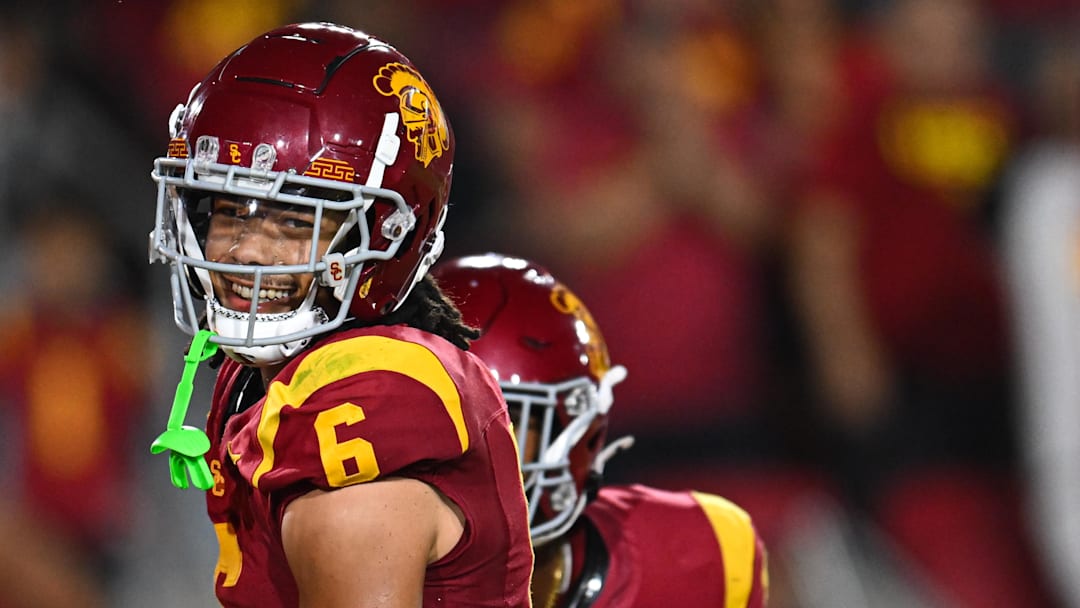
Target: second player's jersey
677 549
363 405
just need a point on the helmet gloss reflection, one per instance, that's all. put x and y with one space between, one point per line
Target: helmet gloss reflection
251 232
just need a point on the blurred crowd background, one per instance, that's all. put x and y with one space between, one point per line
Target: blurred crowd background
835 242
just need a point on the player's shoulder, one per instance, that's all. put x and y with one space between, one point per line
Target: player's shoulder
390 356
399 375
362 404
639 515
724 515
389 362
639 496
641 508
636 506
360 347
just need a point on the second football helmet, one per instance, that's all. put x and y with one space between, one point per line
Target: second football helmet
322 119
552 364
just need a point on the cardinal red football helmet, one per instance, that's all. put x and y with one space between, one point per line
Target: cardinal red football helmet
552 364
323 118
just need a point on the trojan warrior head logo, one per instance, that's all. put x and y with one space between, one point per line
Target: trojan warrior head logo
567 303
421 114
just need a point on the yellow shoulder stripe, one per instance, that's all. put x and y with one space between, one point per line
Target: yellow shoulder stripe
735 534
347 358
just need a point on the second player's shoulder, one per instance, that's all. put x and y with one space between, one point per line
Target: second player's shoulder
642 497
719 548
624 512
730 522
637 496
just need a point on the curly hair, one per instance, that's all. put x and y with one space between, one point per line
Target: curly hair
429 309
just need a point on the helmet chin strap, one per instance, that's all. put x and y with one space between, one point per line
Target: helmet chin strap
234 324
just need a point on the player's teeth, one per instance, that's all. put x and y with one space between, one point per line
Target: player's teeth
264 294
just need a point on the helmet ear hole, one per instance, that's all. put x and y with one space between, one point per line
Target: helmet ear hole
410 237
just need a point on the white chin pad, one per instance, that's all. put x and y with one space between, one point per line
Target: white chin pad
229 323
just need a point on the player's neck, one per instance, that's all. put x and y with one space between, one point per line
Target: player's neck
270 372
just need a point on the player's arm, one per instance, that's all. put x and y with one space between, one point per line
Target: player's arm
368 545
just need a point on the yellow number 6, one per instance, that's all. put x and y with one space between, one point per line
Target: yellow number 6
336 454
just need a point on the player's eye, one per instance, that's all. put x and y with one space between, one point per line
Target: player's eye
298 221
226 208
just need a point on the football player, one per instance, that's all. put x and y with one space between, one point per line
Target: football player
598 546
357 454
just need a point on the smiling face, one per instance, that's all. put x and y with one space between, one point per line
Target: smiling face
251 232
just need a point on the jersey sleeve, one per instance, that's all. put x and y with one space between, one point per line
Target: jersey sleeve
350 412
746 575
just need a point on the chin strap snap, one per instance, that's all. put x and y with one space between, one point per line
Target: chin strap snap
187 445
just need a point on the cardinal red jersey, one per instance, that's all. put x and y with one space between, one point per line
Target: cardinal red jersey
677 549
362 405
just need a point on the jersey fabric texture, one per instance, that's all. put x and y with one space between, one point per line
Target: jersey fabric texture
362 405
677 549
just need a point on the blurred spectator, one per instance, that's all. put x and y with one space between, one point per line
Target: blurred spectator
896 282
1042 243
75 374
628 177
890 262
